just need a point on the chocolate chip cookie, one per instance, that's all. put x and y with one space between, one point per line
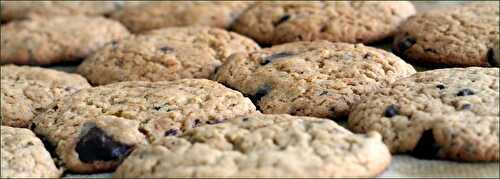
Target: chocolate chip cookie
16 10
24 156
339 21
95 128
165 54
261 146
27 91
155 15
320 79
43 41
448 113
456 36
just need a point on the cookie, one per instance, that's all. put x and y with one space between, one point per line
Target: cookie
44 41
456 36
27 91
449 114
17 10
24 156
95 128
165 54
271 23
261 146
320 79
155 15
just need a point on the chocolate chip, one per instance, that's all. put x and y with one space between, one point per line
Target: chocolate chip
215 121
69 88
465 92
196 122
367 56
261 92
157 108
282 19
391 111
95 145
55 108
245 119
426 147
166 49
494 62
440 86
273 57
404 45
171 132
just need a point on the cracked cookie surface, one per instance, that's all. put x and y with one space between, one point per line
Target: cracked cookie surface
43 41
155 15
320 79
27 91
458 36
17 10
165 54
24 155
261 146
448 113
339 21
95 128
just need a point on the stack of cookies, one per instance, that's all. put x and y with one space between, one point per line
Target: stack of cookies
244 89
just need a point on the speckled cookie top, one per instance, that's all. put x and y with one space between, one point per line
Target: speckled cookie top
261 146
155 15
23 155
129 114
320 79
165 54
27 91
16 10
339 21
457 36
448 113
43 41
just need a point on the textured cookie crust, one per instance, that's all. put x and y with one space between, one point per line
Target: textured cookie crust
23 155
94 129
16 10
338 21
448 113
155 15
458 36
320 79
261 146
165 54
27 91
43 41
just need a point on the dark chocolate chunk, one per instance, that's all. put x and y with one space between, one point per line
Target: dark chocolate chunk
391 111
440 86
494 62
171 132
261 92
215 121
273 57
282 19
196 122
96 145
465 92
404 45
426 147
166 49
